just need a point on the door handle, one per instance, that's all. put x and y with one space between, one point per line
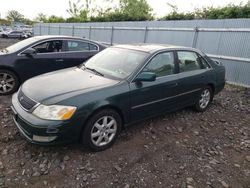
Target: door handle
174 84
59 60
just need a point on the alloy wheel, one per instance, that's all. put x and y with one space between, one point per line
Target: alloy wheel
103 131
205 98
7 83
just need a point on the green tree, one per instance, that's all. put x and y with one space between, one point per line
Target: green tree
41 18
227 12
4 22
55 19
75 8
14 16
136 10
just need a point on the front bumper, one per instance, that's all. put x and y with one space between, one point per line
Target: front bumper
44 132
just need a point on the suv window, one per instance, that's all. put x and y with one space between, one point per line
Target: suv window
49 46
80 46
162 64
188 61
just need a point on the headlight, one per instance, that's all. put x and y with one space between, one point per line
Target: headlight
54 112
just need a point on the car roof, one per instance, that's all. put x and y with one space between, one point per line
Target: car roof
152 48
42 37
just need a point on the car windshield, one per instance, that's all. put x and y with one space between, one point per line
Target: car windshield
116 62
20 45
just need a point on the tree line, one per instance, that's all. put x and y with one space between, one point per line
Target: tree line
128 10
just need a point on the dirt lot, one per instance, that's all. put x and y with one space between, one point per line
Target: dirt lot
181 149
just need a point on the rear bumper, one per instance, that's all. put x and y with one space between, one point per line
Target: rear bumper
44 132
219 87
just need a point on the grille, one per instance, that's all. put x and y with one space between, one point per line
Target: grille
25 101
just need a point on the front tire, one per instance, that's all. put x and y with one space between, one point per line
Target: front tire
9 82
102 130
205 98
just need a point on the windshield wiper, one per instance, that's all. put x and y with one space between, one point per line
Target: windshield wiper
93 70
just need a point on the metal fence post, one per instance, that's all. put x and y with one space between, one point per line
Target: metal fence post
59 30
112 35
73 30
90 29
145 34
49 30
40 29
196 33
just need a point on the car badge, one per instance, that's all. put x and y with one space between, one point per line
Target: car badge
21 98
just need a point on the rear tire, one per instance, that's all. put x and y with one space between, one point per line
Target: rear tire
205 98
102 130
9 82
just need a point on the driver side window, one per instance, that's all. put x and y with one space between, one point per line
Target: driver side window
49 47
162 64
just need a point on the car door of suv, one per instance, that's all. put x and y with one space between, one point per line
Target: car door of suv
78 51
49 57
150 98
192 77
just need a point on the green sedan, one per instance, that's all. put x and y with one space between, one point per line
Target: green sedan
119 86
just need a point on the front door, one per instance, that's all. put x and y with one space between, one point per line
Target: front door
151 98
49 57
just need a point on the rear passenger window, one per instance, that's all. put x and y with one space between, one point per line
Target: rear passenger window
92 47
80 46
188 61
204 63
162 64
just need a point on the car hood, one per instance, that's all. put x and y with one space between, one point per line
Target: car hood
56 86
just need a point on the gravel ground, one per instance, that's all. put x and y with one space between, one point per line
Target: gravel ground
182 149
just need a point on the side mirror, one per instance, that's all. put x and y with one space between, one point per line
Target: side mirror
217 62
29 52
146 77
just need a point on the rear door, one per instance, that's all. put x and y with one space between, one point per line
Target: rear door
150 98
192 77
78 51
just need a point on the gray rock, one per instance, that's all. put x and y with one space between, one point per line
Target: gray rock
126 186
117 168
214 161
190 181
62 165
36 174
57 162
224 184
248 158
1 165
85 178
66 158
5 152
180 129
45 183
196 133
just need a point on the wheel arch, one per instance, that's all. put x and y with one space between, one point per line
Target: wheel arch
106 106
100 108
212 86
12 70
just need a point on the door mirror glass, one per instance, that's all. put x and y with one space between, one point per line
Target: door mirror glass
29 52
146 77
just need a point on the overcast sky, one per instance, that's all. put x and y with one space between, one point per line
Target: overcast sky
30 8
